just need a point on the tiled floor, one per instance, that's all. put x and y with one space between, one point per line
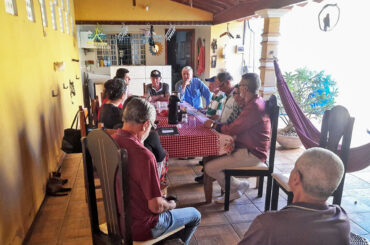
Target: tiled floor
65 220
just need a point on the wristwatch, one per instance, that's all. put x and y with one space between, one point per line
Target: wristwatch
212 124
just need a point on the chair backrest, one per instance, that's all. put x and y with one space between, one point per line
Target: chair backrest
82 121
272 109
102 153
337 125
95 110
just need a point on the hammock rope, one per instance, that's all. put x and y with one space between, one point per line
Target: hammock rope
359 157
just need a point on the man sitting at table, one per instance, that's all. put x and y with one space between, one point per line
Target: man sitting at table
308 220
191 89
251 132
232 107
156 91
151 214
214 109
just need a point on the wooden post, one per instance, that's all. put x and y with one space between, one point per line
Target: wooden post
269 44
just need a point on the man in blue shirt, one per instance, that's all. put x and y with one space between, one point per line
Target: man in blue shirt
191 89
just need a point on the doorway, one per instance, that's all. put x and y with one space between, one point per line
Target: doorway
180 52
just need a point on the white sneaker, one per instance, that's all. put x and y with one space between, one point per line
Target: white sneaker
233 196
243 187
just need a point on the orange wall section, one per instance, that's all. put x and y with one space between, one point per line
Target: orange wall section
32 121
122 10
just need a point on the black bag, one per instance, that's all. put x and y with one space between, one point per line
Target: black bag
72 138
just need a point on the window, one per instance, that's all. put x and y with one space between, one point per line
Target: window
128 51
53 16
30 11
138 49
61 20
43 13
11 7
72 25
67 23
107 55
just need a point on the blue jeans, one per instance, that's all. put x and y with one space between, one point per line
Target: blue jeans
175 218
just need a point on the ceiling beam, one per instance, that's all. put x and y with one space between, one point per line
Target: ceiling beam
199 5
249 8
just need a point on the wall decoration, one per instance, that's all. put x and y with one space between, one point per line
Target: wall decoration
170 32
156 49
43 13
30 11
61 20
214 45
11 7
213 61
53 15
123 33
67 22
98 37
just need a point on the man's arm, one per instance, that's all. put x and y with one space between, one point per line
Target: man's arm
204 91
159 205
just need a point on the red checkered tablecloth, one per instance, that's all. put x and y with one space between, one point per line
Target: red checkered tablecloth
193 139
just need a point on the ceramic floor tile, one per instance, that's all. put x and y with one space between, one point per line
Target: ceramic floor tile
212 214
242 213
76 241
241 228
216 235
75 227
361 219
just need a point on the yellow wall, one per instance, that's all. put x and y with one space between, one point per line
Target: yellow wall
32 120
227 59
118 10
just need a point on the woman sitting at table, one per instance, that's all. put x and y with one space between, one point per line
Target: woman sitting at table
110 114
152 143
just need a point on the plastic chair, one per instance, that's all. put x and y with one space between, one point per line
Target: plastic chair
102 153
336 125
355 239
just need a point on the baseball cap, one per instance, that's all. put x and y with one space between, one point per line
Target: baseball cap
155 73
211 79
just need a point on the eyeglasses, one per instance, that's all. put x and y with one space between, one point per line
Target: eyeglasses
235 93
153 124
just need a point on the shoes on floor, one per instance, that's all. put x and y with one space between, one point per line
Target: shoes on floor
199 179
233 196
243 187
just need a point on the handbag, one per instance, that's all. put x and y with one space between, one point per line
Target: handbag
71 142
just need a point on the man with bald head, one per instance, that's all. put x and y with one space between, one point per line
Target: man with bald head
308 220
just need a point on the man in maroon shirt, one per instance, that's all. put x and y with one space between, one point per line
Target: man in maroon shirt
251 132
308 220
151 214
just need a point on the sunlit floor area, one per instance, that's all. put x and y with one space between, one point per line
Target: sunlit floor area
65 220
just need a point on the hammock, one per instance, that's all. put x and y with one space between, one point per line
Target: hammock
359 157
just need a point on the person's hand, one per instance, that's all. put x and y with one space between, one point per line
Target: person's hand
172 204
208 124
215 117
185 83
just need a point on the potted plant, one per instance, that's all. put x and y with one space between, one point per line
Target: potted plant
315 92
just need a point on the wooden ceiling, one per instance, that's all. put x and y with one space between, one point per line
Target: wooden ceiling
228 10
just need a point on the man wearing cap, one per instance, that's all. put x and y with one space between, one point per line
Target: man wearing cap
215 106
191 89
157 91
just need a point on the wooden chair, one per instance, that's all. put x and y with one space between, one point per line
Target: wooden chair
336 125
260 171
83 126
94 111
102 153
